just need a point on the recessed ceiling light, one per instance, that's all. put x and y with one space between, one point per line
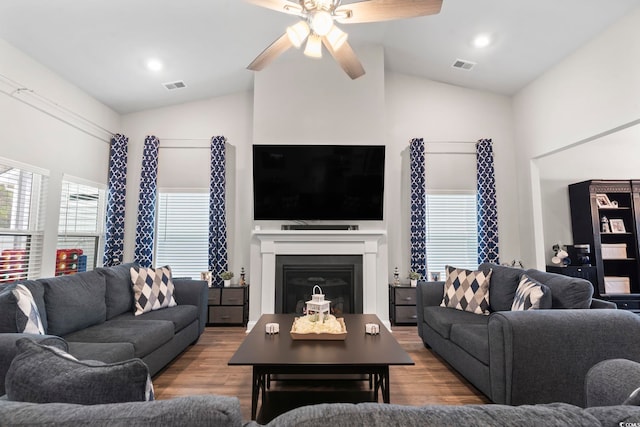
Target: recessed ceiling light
154 65
482 40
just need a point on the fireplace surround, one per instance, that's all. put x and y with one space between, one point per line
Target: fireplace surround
370 245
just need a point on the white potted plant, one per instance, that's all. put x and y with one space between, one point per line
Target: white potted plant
226 276
413 277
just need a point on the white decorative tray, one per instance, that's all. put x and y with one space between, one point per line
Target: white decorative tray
326 336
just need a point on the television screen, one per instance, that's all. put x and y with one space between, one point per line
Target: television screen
318 182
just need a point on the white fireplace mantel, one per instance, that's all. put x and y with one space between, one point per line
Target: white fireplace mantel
266 244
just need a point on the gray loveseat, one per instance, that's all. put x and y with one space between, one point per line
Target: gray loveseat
608 384
93 312
528 357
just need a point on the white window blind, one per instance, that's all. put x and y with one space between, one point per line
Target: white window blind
23 193
81 226
452 232
182 237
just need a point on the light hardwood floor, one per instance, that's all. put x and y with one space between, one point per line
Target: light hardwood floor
202 369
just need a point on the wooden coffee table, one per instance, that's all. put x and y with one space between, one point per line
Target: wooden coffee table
359 353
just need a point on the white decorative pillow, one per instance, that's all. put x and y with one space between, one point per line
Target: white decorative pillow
531 295
153 289
27 313
466 290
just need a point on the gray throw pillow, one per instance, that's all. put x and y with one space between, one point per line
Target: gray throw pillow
43 374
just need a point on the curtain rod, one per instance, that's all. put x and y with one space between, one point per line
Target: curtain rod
450 152
20 89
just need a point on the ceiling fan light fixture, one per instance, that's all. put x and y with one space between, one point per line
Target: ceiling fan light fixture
321 22
314 47
337 37
298 33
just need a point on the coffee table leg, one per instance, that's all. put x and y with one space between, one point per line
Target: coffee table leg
385 384
255 389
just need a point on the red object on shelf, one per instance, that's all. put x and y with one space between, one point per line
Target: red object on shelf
13 265
67 261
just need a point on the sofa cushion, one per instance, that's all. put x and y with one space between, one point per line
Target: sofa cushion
441 319
145 335
466 290
19 311
504 282
42 374
37 292
566 292
181 316
472 338
119 292
531 295
153 289
104 352
74 302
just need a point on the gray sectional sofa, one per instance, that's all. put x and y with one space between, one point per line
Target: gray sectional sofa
608 386
528 357
93 313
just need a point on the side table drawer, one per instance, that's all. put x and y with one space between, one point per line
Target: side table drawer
214 296
406 314
627 304
405 296
226 314
232 297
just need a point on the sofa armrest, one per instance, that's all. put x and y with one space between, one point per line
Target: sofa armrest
543 356
427 294
8 350
598 303
193 292
610 382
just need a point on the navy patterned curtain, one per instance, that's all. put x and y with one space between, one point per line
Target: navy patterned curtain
217 211
147 203
116 194
418 208
487 205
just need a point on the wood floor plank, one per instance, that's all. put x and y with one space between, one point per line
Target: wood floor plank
203 369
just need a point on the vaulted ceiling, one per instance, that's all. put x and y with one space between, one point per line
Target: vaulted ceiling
103 46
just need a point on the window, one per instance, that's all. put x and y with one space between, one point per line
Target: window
182 236
452 231
81 226
22 200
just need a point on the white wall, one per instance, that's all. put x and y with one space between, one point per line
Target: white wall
446 115
191 127
303 101
593 92
68 138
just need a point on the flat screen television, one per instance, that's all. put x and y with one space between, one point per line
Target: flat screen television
318 182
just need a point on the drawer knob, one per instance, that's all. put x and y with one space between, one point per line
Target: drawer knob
408 298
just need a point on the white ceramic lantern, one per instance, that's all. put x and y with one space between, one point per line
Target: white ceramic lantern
317 304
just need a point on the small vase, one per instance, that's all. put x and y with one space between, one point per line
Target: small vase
414 282
227 283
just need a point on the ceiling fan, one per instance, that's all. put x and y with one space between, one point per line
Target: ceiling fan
318 27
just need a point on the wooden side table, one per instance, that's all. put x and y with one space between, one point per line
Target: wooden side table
228 306
402 305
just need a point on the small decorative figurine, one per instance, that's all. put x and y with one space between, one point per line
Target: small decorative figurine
242 280
396 277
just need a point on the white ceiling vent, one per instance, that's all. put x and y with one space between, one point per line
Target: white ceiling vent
174 85
463 64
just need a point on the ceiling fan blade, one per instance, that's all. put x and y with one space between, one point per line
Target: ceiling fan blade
346 57
274 50
285 6
386 10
